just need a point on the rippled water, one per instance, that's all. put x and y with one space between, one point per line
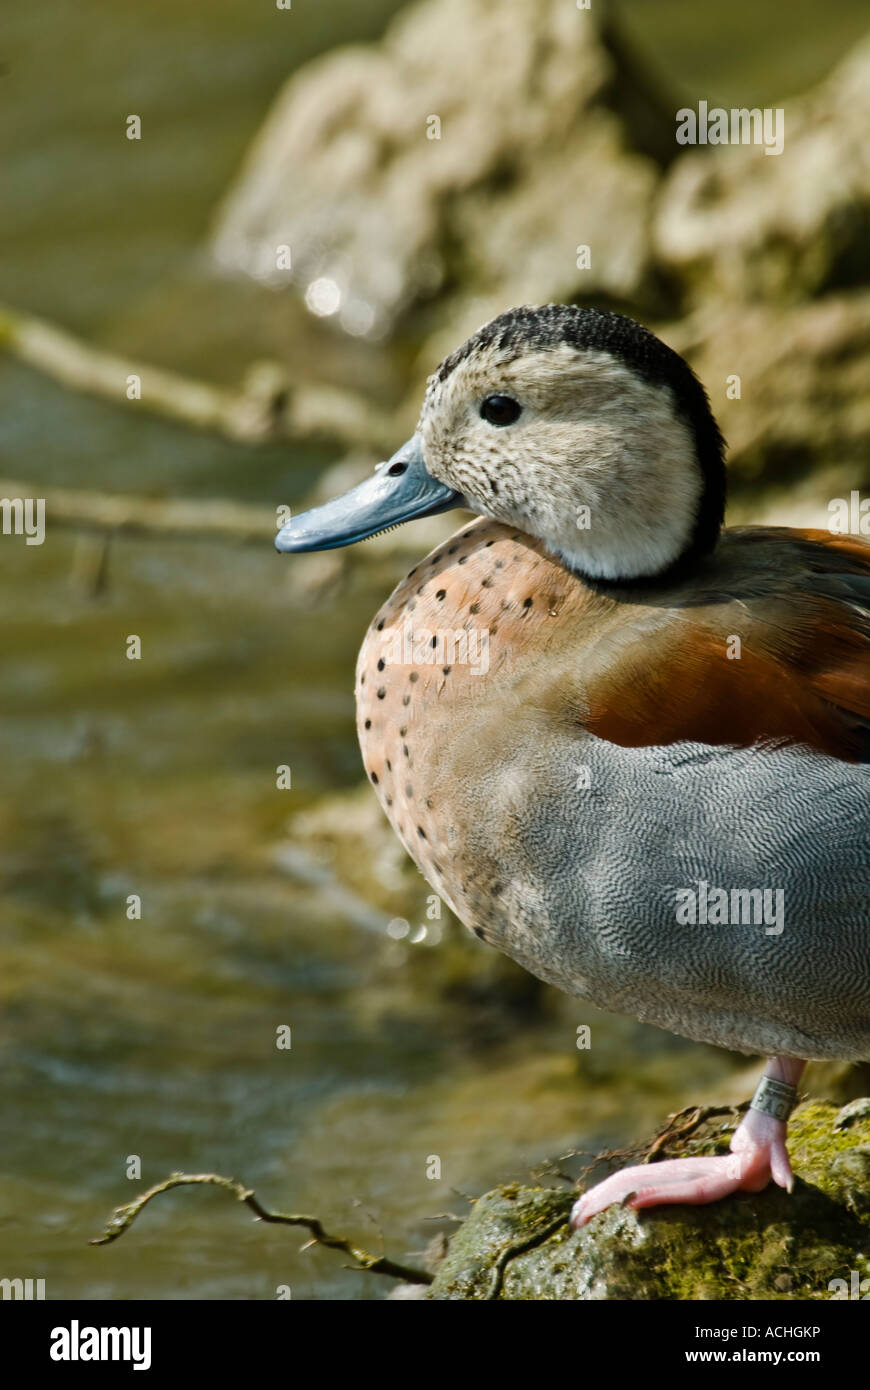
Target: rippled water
156 1037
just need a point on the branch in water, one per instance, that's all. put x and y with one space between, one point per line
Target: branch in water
123 1217
264 409
135 514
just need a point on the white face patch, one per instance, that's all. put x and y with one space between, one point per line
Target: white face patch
600 465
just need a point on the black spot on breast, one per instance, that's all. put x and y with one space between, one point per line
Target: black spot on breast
382 692
441 594
368 724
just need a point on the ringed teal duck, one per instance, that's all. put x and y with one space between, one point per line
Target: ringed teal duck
628 748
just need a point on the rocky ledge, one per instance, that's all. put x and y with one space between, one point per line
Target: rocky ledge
812 1244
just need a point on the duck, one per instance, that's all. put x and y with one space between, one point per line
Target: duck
627 745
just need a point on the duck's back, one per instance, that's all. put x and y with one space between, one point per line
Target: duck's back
567 765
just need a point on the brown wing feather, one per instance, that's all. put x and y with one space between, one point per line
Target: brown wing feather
799 603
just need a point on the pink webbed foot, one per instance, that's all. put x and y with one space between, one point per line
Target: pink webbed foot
758 1153
691 1180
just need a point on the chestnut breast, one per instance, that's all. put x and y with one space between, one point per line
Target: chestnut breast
450 659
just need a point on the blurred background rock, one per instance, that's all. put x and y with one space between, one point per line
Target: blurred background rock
307 128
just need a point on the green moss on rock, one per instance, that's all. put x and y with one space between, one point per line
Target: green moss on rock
517 1243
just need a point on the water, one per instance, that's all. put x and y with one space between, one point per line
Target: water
156 1037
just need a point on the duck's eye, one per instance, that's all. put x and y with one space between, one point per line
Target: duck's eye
500 410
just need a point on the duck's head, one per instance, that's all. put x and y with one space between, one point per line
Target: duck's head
580 428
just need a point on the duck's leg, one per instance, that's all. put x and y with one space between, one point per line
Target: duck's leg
758 1153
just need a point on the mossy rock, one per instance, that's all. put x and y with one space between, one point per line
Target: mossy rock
517 1243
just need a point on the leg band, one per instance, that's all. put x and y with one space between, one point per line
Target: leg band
775 1098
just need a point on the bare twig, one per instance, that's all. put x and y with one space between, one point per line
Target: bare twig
133 513
682 1125
123 1217
264 409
